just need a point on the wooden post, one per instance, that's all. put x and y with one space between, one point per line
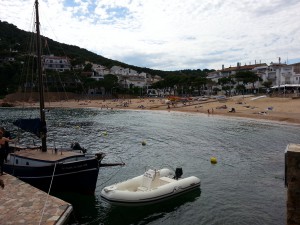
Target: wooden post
292 181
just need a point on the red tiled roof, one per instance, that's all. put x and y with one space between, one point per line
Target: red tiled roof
246 67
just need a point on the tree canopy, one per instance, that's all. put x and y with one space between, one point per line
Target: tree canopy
247 77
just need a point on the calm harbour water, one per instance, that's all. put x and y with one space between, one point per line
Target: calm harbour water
246 186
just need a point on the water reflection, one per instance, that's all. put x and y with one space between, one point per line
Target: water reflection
116 215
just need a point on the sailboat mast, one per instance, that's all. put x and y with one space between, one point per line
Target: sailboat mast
40 77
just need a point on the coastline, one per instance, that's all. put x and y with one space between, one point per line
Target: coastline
283 110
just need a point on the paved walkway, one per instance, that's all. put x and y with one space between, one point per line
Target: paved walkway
20 203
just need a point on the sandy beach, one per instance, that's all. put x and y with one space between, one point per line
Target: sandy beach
266 108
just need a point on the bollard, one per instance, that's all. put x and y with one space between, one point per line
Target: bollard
292 182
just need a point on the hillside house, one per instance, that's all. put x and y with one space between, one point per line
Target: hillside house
56 63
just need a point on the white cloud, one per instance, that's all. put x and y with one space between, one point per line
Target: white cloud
170 34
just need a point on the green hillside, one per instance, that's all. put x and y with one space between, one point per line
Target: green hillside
15 44
12 38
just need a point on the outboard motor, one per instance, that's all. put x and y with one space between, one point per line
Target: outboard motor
178 173
76 146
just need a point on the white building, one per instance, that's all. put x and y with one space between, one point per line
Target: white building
57 63
100 70
296 73
276 73
280 74
118 70
126 77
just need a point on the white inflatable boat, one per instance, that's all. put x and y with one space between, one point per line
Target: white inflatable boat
152 186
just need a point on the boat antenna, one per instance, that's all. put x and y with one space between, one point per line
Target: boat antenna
40 77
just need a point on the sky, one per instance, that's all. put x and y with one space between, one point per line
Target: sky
169 34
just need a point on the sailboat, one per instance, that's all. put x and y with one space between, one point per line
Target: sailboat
51 169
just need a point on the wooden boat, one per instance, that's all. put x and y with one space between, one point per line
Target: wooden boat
51 169
151 187
61 170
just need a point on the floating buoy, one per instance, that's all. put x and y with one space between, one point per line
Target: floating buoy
213 160
104 133
143 143
78 127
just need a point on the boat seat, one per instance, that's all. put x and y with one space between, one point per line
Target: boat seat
166 180
148 177
142 188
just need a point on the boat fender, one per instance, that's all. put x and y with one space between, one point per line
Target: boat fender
178 173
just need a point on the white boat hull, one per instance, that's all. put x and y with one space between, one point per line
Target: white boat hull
137 191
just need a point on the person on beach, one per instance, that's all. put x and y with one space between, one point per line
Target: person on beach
3 141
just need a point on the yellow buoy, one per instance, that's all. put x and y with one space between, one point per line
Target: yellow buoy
143 143
104 133
213 160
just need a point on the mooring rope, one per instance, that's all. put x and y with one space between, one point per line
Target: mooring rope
48 194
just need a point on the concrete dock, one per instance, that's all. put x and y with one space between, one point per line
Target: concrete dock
21 203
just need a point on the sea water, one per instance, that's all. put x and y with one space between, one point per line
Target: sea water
246 186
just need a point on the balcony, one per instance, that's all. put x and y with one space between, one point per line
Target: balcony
271 77
287 75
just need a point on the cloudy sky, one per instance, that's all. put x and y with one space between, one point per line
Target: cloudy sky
170 34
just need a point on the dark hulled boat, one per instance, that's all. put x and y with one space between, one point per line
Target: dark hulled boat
63 170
